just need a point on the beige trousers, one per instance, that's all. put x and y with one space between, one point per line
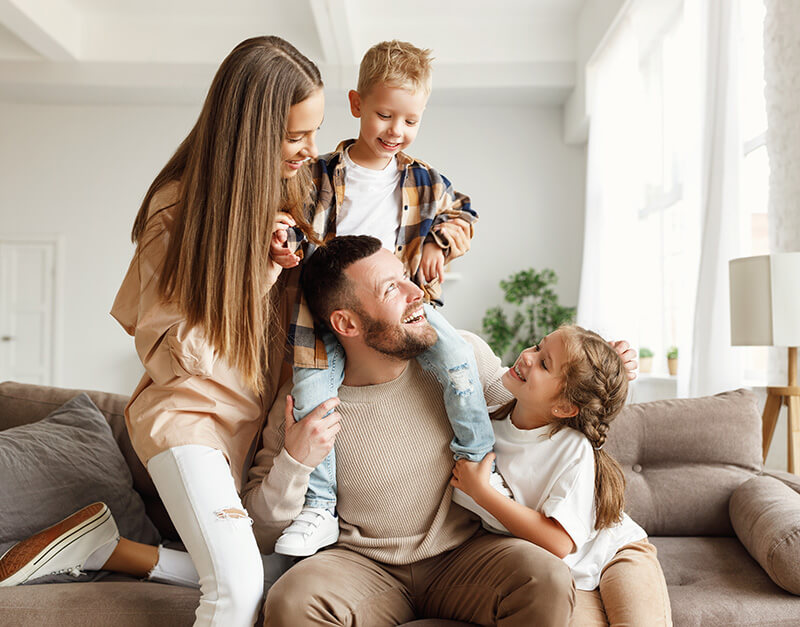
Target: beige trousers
488 580
632 592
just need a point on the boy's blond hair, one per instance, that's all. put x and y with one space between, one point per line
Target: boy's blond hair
396 64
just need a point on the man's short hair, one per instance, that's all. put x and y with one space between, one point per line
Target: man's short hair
396 64
325 284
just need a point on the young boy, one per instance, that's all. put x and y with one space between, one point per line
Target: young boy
369 186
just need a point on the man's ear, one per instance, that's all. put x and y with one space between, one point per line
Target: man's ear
355 103
344 322
563 409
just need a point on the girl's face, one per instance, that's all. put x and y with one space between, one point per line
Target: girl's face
299 143
535 381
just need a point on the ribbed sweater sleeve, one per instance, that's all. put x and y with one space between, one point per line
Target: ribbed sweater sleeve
277 483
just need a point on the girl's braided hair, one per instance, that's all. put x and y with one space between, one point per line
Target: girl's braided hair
595 381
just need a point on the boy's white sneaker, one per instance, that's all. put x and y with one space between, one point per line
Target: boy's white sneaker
467 502
83 541
314 528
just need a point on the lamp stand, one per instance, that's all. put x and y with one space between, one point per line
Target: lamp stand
789 396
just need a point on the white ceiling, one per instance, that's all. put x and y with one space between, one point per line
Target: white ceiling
166 51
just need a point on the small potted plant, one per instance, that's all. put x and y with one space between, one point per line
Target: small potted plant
672 360
645 360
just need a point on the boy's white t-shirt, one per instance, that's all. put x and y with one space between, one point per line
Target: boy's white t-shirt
555 476
371 203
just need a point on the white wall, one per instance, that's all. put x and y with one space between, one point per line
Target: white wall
81 171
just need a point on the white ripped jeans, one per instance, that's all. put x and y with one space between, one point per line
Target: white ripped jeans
197 488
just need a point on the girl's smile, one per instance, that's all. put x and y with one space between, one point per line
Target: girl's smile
535 380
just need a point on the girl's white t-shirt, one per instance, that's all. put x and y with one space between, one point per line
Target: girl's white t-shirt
372 200
555 476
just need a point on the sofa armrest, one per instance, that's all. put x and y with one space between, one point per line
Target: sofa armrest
765 514
793 481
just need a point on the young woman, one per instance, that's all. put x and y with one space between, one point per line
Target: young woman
197 300
568 492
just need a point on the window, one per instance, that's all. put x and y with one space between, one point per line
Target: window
667 225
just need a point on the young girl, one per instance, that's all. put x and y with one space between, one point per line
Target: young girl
197 300
568 492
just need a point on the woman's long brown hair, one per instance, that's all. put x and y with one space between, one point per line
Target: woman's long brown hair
231 186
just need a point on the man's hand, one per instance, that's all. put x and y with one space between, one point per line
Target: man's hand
628 357
472 478
311 439
457 232
432 262
278 250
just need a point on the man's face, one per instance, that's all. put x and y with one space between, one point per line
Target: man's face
389 306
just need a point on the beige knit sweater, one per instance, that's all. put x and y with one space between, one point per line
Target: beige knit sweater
393 464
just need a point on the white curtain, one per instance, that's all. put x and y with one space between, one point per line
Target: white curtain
710 156
782 93
715 365
609 272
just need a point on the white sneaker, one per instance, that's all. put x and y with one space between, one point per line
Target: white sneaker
467 502
83 541
314 528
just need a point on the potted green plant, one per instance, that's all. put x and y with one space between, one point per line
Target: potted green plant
538 313
672 360
645 360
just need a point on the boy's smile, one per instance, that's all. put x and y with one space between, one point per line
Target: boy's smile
390 119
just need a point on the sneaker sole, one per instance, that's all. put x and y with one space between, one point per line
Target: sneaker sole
24 558
306 551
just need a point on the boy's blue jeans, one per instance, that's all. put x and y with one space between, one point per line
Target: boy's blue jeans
451 359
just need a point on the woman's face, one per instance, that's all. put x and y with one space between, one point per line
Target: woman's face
299 143
535 378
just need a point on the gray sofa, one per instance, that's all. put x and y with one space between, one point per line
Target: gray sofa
725 530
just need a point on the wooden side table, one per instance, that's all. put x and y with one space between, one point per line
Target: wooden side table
789 396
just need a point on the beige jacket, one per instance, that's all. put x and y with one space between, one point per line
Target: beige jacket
187 395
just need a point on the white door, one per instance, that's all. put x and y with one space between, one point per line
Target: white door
27 309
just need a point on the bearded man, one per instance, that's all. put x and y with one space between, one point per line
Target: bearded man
405 550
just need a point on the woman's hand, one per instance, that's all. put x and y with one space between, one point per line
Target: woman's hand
311 439
472 478
280 256
278 249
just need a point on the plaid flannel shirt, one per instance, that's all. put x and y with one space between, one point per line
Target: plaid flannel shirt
427 199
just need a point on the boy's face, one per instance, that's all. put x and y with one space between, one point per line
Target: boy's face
390 118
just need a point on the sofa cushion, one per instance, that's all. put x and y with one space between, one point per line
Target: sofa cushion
23 403
61 463
683 458
713 582
765 514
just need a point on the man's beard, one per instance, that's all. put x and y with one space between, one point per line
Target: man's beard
395 341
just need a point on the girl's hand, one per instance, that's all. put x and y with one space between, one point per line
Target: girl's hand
311 439
472 478
278 250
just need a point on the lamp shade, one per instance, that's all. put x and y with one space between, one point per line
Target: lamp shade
765 300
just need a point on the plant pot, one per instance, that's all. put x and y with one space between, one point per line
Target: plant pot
672 364
645 365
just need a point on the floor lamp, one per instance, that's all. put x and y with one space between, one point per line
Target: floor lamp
765 311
